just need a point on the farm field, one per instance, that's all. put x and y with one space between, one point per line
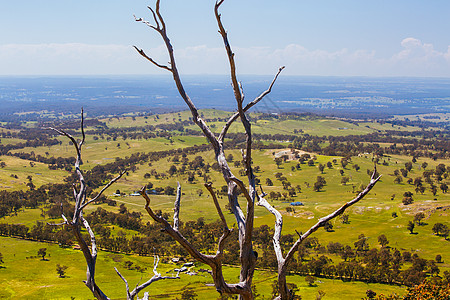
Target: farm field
38 279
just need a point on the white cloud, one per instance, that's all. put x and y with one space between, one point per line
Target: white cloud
414 59
421 58
70 58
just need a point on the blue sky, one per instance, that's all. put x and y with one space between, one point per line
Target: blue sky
321 37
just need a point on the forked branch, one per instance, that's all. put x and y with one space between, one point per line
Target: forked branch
156 277
214 261
284 261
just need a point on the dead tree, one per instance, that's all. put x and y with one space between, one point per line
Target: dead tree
244 221
81 201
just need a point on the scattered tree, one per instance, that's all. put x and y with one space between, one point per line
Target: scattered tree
418 218
344 219
42 252
441 229
310 280
61 270
320 294
345 180
321 168
410 227
370 294
444 187
438 258
328 226
382 239
278 161
188 294
361 244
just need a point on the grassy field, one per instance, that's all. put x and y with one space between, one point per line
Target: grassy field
22 169
26 276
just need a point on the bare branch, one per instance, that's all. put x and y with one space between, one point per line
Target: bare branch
216 203
278 227
91 234
242 90
72 139
248 106
283 267
230 54
245 223
82 130
158 27
141 52
266 92
242 188
90 255
155 265
75 192
156 277
163 24
103 189
124 280
176 214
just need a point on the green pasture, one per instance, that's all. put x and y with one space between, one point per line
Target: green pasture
168 118
22 169
102 151
23 275
318 127
11 141
310 125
